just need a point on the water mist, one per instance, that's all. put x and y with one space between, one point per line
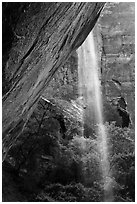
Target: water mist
89 89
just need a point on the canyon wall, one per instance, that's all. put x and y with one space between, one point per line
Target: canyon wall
115 34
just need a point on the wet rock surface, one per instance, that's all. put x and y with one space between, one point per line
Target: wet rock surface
116 36
42 153
46 34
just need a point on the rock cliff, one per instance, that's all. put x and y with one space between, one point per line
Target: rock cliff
43 37
115 34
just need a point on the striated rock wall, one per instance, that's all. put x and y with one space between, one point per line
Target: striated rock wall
46 35
64 84
115 33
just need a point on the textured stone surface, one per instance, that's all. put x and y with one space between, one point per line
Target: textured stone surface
64 84
116 35
46 34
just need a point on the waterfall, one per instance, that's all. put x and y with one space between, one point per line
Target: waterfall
90 90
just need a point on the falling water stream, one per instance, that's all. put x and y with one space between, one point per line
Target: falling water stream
89 89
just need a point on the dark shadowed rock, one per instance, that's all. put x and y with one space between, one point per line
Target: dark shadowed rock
116 33
44 35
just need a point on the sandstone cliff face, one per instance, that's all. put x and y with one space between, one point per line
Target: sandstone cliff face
116 36
46 34
64 84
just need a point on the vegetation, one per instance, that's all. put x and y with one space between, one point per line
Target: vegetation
49 168
51 160
46 165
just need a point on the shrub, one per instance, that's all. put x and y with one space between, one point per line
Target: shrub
69 170
73 192
122 159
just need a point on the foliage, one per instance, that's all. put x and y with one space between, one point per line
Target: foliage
122 159
54 169
121 140
73 192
